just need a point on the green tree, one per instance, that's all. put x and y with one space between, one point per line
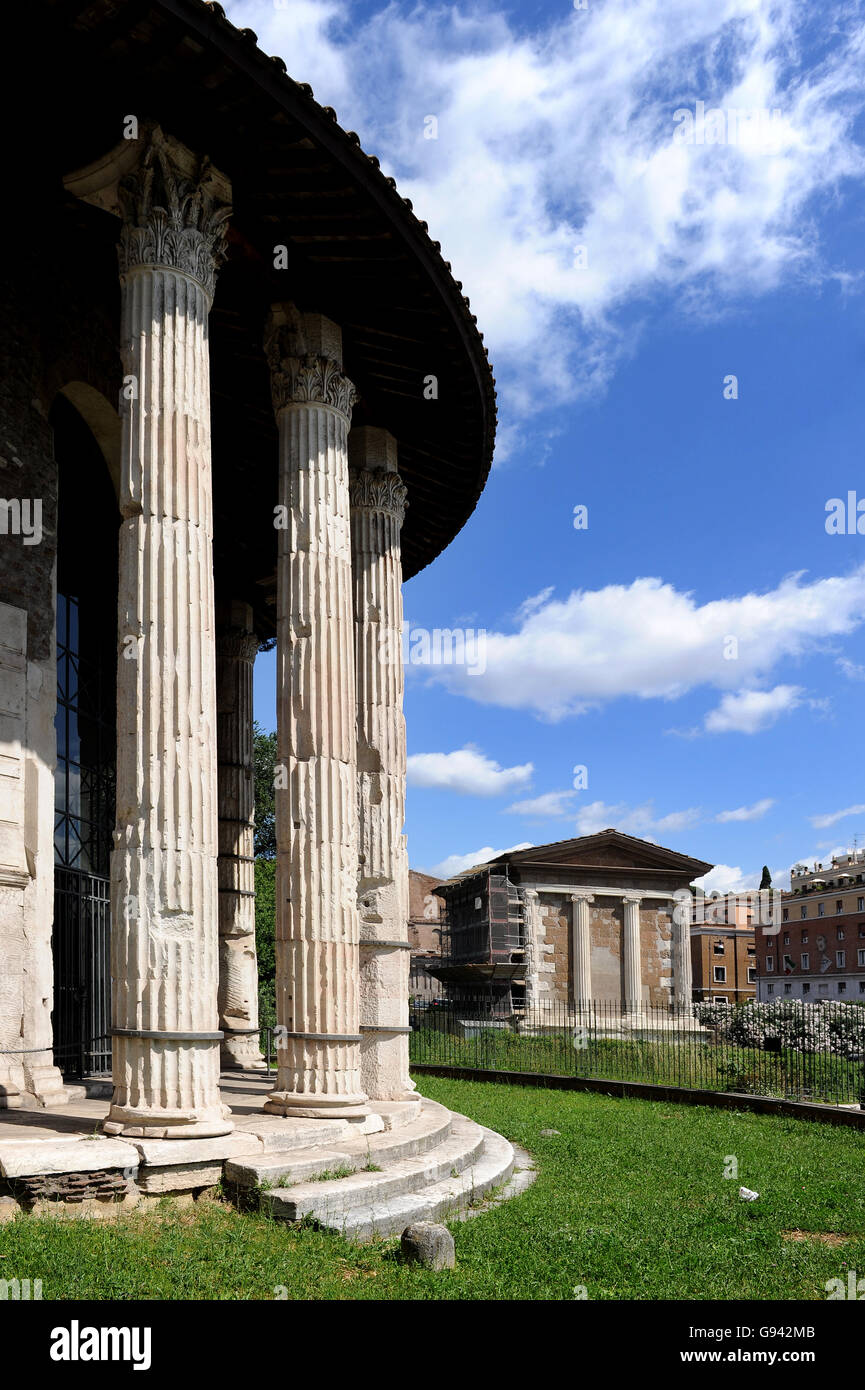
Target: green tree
766 880
264 763
265 939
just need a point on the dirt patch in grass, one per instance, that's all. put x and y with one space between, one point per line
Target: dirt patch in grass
824 1237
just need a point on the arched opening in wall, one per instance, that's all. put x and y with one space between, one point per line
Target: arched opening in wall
87 535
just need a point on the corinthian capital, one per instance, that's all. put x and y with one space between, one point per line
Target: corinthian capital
175 208
173 204
310 381
304 353
379 490
236 644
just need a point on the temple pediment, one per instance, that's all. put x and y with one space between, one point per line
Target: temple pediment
610 849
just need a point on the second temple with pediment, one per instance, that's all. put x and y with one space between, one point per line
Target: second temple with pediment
577 922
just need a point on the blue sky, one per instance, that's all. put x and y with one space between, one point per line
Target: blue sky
609 646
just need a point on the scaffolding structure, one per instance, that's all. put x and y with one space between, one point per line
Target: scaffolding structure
483 940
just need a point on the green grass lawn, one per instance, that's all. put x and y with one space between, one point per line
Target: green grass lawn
630 1202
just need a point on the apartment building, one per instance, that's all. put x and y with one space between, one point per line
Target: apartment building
723 948
817 951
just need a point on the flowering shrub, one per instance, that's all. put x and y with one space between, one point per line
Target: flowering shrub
826 1026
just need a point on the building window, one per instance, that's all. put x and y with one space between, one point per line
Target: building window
720 974
786 913
718 948
805 960
804 909
752 950
821 909
806 988
770 989
840 959
862 986
860 904
839 906
862 928
840 933
786 938
861 955
842 987
770 964
788 989
804 938
752 974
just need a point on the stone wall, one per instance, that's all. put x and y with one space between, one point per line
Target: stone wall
72 348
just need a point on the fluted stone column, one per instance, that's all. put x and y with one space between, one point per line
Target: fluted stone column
164 901
378 501
633 970
317 955
581 949
236 646
532 938
683 985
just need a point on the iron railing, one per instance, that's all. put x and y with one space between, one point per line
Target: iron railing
81 944
657 1044
666 1046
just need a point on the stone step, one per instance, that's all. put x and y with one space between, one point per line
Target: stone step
332 1202
276 1134
447 1200
428 1129
397 1113
279 1170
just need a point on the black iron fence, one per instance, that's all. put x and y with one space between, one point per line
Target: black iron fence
789 1050
82 973
794 1051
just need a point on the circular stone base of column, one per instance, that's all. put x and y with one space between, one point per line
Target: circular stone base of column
137 1124
289 1103
249 1060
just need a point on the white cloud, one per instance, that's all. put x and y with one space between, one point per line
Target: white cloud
850 669
456 863
466 771
725 878
561 135
545 807
750 711
632 820
754 812
650 640
823 822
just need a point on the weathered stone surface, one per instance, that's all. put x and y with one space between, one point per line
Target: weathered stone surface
8 1209
277 1135
378 501
236 647
164 900
316 799
163 1153
426 1243
179 1177
21 1159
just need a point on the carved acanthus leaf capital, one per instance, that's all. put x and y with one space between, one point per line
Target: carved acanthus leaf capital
379 490
236 644
308 380
175 208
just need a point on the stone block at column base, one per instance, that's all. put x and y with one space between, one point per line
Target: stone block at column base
167 1124
242 1053
47 1085
312 1107
384 1063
